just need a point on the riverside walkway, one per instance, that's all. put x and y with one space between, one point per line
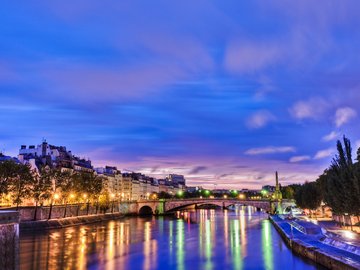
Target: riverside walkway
308 240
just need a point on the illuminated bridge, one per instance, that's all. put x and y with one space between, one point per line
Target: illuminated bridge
164 206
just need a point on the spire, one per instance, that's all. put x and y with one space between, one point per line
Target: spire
277 194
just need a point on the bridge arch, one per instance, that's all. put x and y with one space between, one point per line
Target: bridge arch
181 207
145 210
174 205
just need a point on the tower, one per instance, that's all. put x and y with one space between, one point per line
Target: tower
277 194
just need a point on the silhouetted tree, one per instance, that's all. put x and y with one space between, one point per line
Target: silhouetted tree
21 183
309 196
41 188
8 171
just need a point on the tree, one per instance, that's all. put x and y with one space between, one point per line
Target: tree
164 195
41 188
66 185
21 183
8 172
309 196
299 197
288 192
89 186
343 182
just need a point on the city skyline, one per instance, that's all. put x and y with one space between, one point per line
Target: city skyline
223 93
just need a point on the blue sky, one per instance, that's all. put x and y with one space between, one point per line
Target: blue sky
225 92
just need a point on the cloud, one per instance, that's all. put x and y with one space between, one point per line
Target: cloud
331 136
299 158
324 153
343 115
197 169
312 108
250 56
270 150
260 119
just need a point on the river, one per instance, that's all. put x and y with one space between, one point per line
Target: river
194 239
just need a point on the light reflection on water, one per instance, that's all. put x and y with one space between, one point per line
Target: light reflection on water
201 239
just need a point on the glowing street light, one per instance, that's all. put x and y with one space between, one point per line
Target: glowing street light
241 196
72 196
56 196
225 196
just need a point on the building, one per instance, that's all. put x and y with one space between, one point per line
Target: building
53 156
111 180
177 179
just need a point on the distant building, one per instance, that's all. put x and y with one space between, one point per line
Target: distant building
111 180
177 179
54 157
268 188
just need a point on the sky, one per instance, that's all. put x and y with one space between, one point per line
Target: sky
224 92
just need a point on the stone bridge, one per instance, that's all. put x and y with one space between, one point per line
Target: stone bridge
164 206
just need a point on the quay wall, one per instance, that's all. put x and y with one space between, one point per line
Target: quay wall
315 254
27 213
67 222
9 240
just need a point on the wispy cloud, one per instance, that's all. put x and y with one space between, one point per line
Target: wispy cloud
312 108
344 115
270 150
197 169
331 136
324 153
260 119
245 57
299 158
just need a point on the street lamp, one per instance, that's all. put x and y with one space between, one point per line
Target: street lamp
180 193
56 196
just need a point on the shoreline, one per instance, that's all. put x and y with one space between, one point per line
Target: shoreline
75 221
67 222
316 254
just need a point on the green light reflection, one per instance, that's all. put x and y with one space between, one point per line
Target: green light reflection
266 245
180 245
235 244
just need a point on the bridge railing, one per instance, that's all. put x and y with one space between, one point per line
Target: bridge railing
217 199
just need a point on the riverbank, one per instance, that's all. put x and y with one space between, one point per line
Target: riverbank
309 246
67 222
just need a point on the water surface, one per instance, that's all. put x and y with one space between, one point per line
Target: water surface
201 239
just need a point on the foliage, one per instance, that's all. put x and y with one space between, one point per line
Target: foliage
164 195
309 196
338 186
288 192
41 188
87 185
8 171
341 182
20 183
